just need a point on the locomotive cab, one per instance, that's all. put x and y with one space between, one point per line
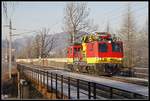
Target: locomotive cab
74 53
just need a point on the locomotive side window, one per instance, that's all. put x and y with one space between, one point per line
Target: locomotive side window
116 47
103 47
70 50
79 49
76 50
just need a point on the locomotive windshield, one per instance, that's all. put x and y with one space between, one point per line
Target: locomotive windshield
103 47
116 47
76 50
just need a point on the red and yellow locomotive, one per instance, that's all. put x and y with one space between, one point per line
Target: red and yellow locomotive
98 53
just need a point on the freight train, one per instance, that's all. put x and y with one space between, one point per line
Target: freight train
98 53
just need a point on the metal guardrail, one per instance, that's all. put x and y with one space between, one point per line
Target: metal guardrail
93 89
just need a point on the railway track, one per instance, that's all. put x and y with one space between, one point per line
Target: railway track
138 81
132 80
141 72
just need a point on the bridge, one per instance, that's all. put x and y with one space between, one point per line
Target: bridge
59 84
139 72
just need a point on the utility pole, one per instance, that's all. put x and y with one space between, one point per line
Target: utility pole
9 46
10 34
6 55
107 26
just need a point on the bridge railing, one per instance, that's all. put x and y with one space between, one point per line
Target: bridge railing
91 89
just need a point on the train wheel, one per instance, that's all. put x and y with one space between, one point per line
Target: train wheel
90 70
100 70
95 70
75 68
70 67
116 69
80 69
83 69
111 69
86 69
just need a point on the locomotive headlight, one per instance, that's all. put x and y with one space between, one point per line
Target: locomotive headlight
109 41
120 59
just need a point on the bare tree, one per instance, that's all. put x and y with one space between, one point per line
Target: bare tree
109 28
36 46
44 43
128 36
145 32
4 7
142 46
145 44
27 50
39 46
76 20
8 9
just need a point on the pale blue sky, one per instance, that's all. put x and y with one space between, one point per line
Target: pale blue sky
35 15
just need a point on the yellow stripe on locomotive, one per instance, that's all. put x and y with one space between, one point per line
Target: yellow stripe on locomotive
69 60
104 60
94 60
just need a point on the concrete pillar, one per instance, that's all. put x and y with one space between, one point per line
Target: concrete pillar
25 92
18 74
24 89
